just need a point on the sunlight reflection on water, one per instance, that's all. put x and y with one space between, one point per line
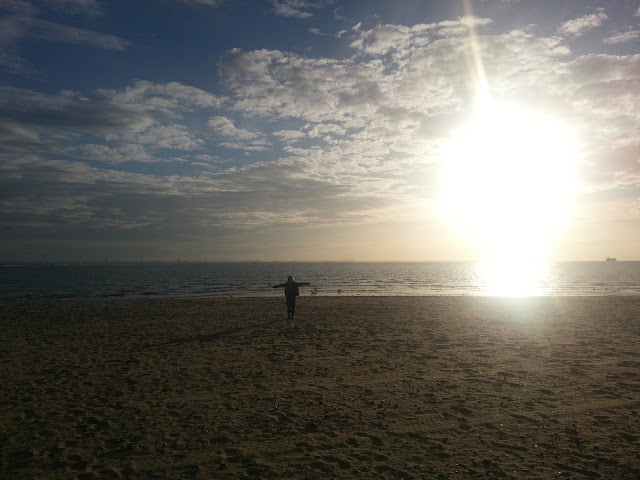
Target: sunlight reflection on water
513 278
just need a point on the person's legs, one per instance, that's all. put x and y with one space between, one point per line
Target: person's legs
291 306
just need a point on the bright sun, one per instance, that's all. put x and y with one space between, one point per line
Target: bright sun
509 180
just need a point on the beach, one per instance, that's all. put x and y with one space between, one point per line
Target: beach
354 387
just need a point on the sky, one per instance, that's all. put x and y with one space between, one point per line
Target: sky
413 130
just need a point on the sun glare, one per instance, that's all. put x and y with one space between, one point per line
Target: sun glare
509 180
520 278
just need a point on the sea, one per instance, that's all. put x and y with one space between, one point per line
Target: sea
256 279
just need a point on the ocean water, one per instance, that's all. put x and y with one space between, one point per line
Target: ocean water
162 280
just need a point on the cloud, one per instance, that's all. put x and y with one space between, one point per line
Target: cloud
95 203
75 7
251 141
396 100
209 3
622 37
23 23
464 26
18 27
357 134
424 73
401 40
296 8
225 127
59 113
109 122
317 32
603 69
248 147
76 197
20 7
385 38
55 32
170 96
325 129
172 136
119 154
289 136
601 99
281 85
577 26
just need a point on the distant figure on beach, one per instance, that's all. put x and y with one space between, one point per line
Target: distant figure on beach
291 291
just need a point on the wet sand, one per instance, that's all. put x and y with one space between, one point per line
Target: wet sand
354 387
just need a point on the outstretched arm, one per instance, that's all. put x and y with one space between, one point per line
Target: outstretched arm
278 286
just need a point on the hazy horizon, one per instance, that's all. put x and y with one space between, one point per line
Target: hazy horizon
99 261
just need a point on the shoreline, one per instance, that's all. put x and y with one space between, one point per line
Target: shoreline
354 387
631 293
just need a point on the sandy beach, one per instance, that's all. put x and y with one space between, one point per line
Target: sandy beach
354 387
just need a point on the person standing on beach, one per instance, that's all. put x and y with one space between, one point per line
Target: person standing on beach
291 291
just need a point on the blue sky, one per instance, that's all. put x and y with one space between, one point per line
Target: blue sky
317 130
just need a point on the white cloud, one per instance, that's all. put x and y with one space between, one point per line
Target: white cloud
423 76
603 69
172 96
400 99
297 8
289 135
601 99
122 153
225 127
167 136
622 37
143 114
317 32
248 147
577 26
251 141
382 39
325 129
461 27
291 8
402 41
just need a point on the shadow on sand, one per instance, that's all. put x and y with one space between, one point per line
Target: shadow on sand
222 333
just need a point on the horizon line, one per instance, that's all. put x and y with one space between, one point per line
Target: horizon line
5 263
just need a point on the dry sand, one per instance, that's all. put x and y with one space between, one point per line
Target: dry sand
361 387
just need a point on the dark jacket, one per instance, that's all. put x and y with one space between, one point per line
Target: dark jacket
291 289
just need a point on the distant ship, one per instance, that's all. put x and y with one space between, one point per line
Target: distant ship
611 259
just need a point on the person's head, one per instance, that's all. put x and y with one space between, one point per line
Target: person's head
290 279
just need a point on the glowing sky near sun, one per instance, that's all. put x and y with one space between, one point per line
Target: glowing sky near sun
319 130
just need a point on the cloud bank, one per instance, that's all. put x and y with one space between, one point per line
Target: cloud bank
296 141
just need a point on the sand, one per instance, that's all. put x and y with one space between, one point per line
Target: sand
354 387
